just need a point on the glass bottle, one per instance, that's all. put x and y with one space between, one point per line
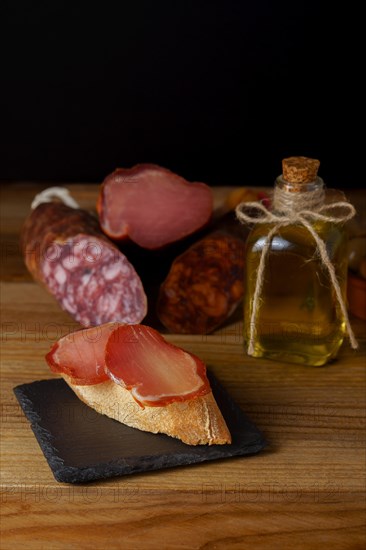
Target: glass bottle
298 318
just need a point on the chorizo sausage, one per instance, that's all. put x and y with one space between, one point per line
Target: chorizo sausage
204 285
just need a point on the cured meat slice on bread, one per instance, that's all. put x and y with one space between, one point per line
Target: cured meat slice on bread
152 206
131 374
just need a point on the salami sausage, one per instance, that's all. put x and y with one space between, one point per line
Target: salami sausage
152 206
204 285
65 250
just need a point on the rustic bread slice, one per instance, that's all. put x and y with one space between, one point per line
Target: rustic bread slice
197 421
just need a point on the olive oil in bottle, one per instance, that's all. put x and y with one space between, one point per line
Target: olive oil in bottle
298 317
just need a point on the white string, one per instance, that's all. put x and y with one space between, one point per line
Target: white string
326 261
54 192
290 215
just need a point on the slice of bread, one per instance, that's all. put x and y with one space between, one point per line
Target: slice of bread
197 421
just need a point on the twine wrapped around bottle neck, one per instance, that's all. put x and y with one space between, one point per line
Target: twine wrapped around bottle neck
296 208
292 203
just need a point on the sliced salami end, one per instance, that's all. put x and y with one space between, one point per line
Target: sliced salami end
152 206
65 250
93 281
81 355
156 372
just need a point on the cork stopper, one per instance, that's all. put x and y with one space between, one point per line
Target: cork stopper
300 169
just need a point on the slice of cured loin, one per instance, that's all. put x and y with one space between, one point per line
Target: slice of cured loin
152 206
135 356
91 279
156 372
151 384
81 355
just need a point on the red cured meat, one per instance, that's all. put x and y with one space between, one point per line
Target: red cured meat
135 356
152 206
156 372
91 279
204 285
81 355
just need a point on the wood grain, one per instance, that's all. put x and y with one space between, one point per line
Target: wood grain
307 490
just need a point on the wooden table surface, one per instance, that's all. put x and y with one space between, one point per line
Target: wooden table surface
306 490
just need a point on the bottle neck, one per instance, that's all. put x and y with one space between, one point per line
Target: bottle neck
294 197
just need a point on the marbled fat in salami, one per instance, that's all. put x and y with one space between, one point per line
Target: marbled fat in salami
92 280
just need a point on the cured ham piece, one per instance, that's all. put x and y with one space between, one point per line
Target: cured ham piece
81 355
155 371
152 206
135 356
65 250
131 374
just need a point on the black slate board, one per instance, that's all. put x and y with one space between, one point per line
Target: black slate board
82 445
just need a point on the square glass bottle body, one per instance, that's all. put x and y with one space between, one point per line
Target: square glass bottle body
298 319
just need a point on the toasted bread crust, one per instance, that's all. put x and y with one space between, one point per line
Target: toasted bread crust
196 421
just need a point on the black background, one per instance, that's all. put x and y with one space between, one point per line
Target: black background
218 91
